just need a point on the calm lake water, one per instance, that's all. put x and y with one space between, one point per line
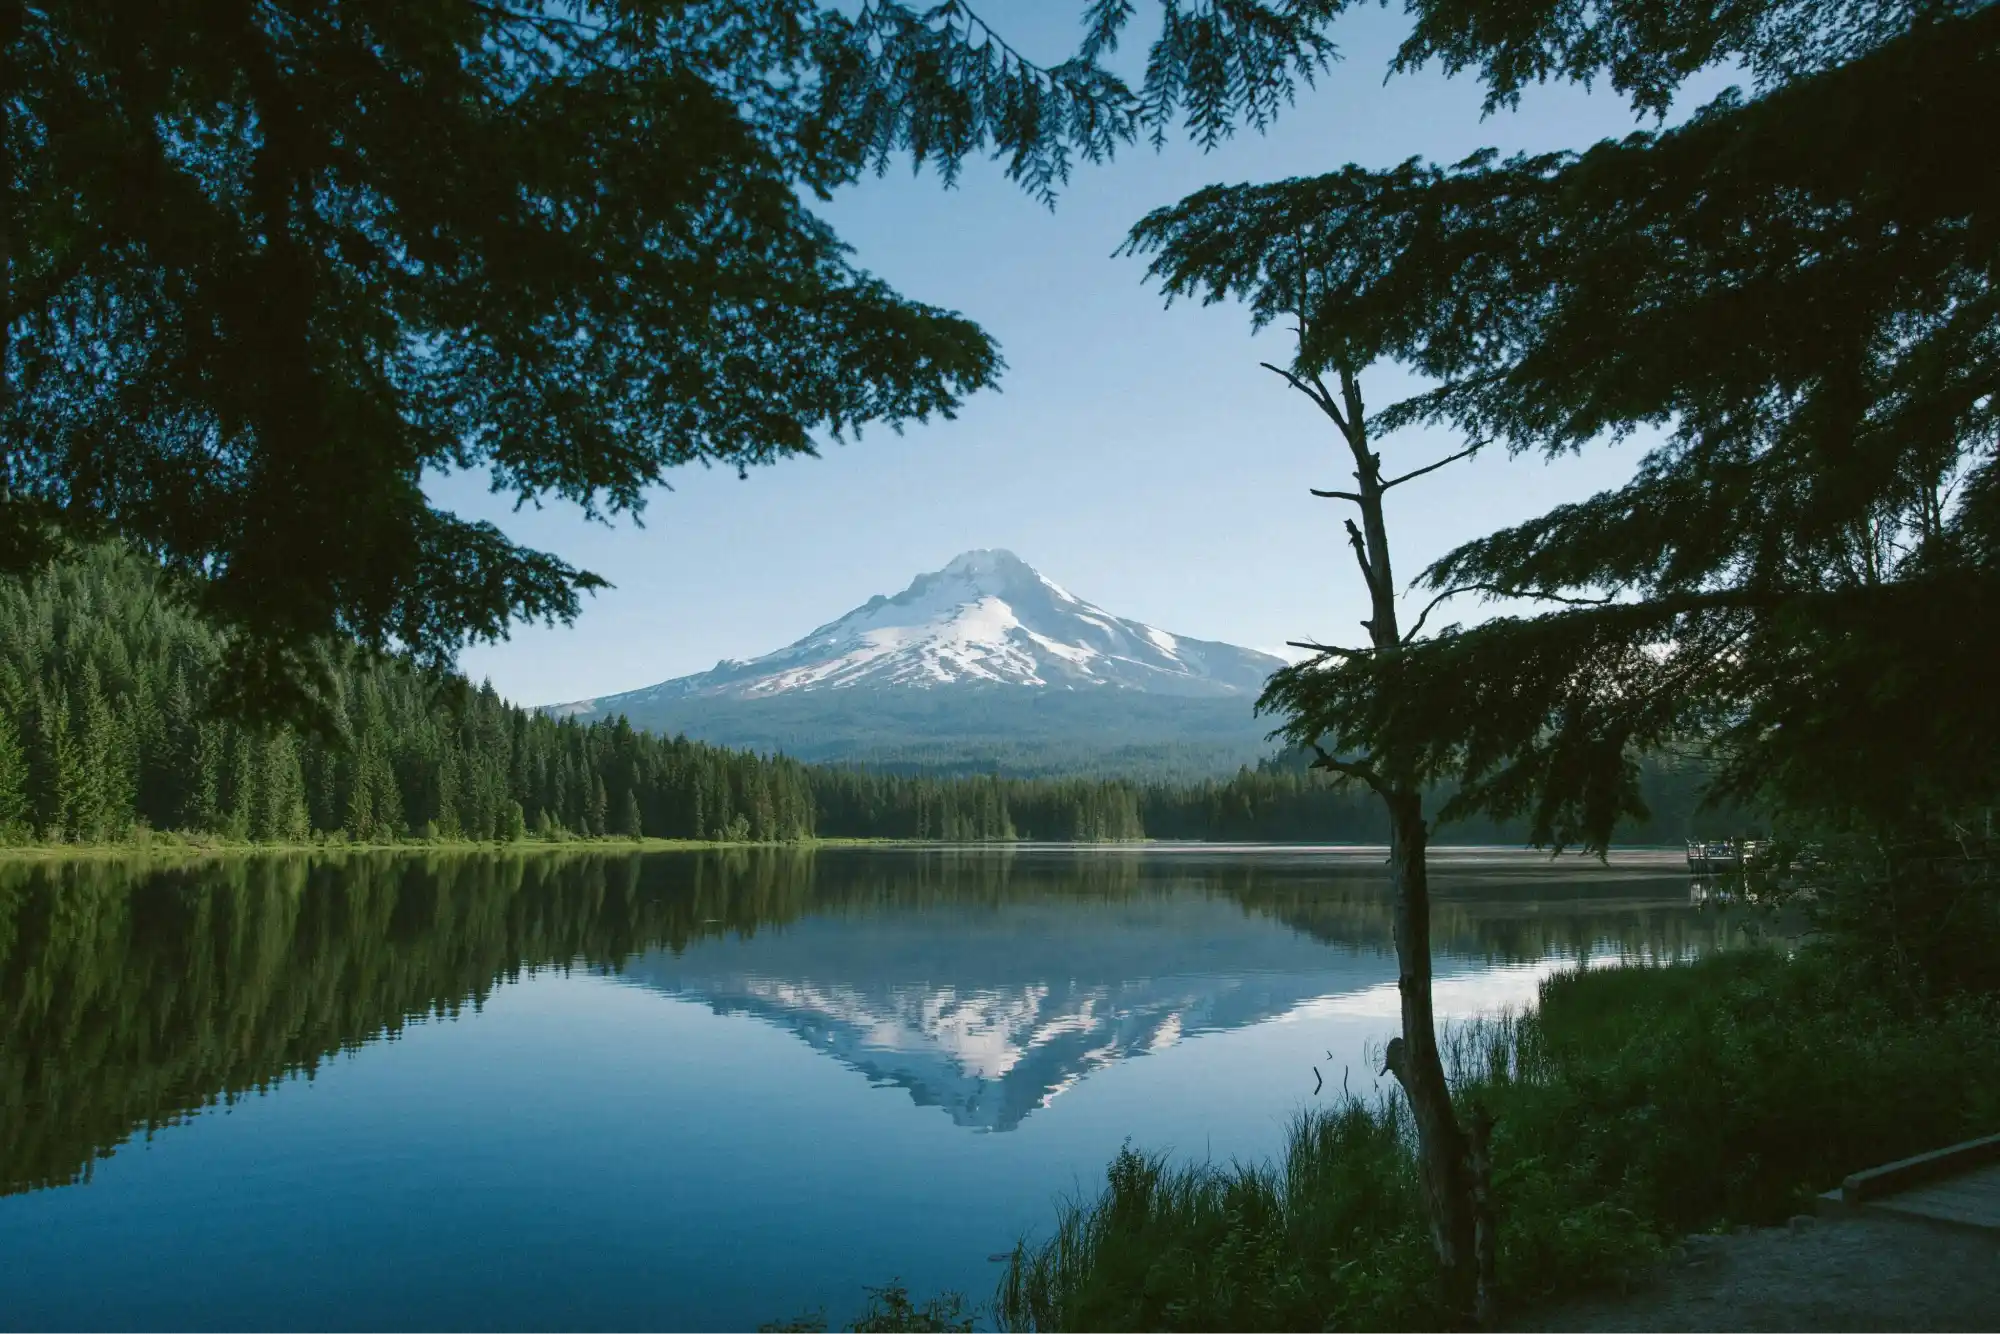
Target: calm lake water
688 1090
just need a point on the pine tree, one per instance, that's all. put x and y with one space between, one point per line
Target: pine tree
1800 286
280 805
66 783
598 812
14 805
242 786
205 803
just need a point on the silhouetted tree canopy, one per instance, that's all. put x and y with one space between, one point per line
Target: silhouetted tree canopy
268 264
1798 292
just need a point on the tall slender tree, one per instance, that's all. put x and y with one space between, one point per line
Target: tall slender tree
1801 293
14 805
1198 251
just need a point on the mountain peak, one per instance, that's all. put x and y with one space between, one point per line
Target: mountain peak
987 560
986 619
992 570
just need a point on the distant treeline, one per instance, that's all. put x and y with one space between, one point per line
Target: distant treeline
102 733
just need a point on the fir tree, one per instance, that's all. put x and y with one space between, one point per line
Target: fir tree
1800 287
14 806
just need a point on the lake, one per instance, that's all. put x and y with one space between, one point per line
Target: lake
686 1089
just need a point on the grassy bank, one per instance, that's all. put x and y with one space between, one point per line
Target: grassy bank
1633 1105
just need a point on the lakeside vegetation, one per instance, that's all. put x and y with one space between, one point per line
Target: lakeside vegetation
105 740
1631 1106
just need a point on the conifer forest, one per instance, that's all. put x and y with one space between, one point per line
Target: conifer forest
104 731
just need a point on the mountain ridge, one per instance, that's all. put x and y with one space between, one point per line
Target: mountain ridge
984 655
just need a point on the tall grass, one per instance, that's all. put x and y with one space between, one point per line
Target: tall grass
1632 1106
1331 1234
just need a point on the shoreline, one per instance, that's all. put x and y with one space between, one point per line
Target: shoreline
176 847
173 847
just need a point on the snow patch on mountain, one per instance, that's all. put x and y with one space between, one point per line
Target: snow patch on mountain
986 619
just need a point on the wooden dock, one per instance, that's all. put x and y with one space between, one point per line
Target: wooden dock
1729 857
1956 1187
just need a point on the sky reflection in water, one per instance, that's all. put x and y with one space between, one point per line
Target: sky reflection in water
685 1090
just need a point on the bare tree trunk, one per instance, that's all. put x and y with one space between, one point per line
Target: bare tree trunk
1452 1163
1443 1152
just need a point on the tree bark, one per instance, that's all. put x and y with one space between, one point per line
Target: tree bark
1451 1164
1443 1152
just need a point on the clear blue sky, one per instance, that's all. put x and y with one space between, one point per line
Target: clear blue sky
1135 454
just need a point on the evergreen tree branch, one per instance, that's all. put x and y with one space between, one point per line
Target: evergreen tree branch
1358 769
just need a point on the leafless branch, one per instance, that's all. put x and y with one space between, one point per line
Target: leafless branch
1350 391
1313 647
1335 495
1449 458
1316 392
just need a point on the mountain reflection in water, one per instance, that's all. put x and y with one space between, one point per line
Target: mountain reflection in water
984 982
990 1012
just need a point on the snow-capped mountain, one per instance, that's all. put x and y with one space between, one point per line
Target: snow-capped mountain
988 618
985 664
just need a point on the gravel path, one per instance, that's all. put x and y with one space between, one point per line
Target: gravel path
1857 1272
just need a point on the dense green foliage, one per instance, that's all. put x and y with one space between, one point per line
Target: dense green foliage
103 731
265 266
1634 1105
1795 295
101 693
1801 292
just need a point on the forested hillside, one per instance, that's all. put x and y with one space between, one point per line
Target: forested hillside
103 732
102 727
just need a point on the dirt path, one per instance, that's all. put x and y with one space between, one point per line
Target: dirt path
1851 1273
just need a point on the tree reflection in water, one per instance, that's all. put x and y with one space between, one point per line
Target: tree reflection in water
133 993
